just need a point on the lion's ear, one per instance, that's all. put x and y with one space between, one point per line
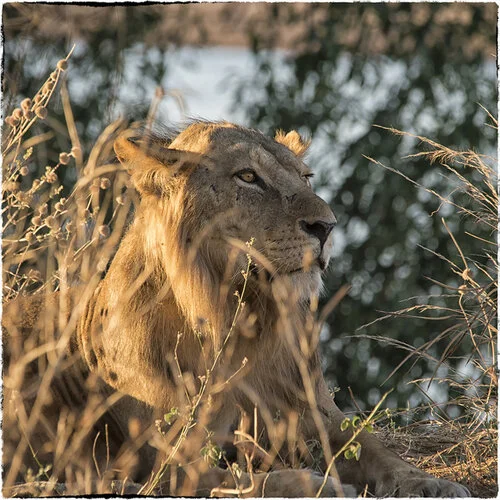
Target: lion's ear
151 166
293 141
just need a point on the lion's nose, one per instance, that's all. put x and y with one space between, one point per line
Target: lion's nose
319 228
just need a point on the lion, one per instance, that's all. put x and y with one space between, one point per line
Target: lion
206 313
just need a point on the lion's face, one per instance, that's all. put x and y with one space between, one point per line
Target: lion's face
246 187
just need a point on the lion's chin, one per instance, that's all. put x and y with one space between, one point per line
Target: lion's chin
300 284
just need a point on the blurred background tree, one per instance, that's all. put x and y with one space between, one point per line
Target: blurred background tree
331 71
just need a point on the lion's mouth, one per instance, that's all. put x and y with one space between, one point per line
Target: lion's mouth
318 263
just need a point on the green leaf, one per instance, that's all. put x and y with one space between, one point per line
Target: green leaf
170 416
345 424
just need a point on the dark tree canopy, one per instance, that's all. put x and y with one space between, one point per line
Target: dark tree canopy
423 68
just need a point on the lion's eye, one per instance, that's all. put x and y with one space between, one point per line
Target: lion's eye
307 178
247 176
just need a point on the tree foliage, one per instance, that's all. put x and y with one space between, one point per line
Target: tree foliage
423 68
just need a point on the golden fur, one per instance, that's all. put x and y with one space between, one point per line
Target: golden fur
166 308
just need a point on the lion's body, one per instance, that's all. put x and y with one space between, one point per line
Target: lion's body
163 317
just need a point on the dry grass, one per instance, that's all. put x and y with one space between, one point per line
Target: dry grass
466 447
55 244
51 244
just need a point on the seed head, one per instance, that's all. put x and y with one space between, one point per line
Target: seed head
49 85
105 183
26 104
53 75
119 200
62 64
51 222
43 209
41 113
36 221
17 114
24 197
11 121
28 114
30 237
64 158
24 171
51 177
28 153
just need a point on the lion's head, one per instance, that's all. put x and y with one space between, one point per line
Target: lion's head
217 184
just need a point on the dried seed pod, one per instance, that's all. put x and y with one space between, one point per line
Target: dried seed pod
30 237
43 209
23 197
62 65
26 104
120 200
24 171
104 230
37 98
36 221
105 183
17 114
53 75
48 87
28 114
51 222
41 113
64 158
51 177
11 121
